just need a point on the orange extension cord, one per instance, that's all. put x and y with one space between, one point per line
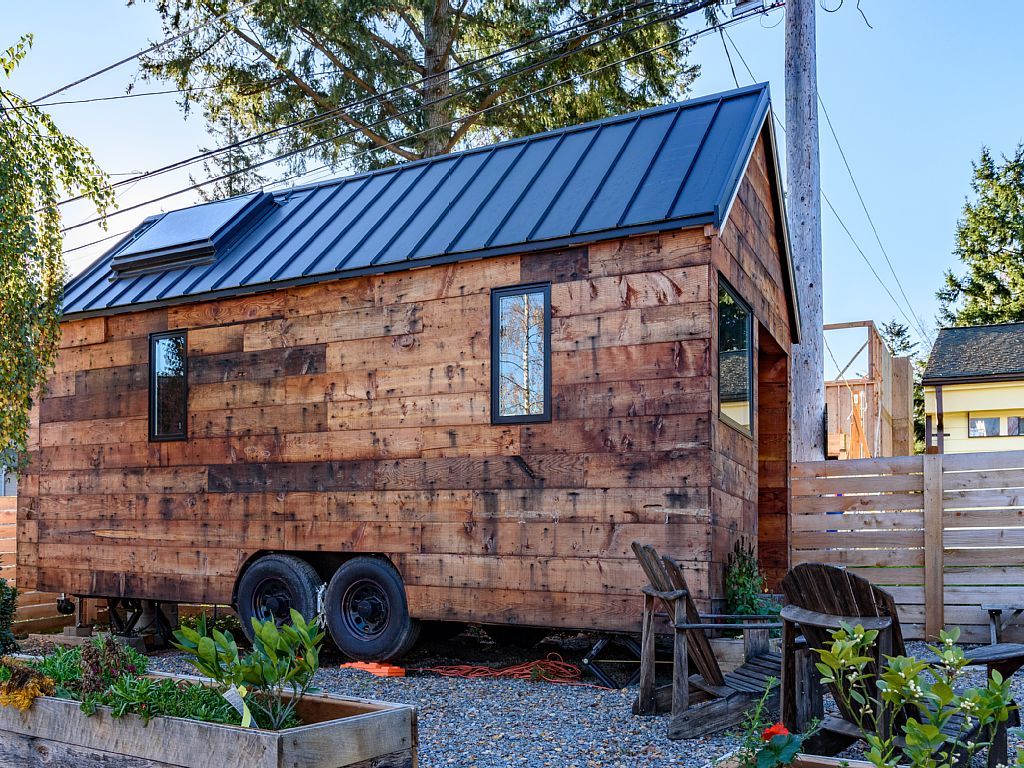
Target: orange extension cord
552 669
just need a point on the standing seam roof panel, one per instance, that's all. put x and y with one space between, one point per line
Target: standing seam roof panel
676 165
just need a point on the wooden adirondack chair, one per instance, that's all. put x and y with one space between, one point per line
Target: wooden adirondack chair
708 700
819 599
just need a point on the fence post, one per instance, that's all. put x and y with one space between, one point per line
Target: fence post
934 580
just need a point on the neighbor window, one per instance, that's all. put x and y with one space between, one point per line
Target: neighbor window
735 329
521 354
1015 425
167 388
982 427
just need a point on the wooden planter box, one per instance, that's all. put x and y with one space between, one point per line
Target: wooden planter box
808 761
339 732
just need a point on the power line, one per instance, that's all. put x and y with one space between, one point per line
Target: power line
918 325
155 47
688 37
324 116
867 213
391 144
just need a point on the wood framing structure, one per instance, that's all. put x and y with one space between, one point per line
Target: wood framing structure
872 415
350 413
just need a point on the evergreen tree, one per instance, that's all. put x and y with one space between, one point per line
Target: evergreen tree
990 242
280 61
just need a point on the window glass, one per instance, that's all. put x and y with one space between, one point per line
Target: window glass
983 427
734 359
521 379
1013 425
167 387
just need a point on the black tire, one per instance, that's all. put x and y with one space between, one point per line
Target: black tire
275 584
520 637
367 612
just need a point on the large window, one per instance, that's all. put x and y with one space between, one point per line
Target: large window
168 393
735 331
521 354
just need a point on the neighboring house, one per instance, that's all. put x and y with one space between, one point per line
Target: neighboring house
453 390
974 389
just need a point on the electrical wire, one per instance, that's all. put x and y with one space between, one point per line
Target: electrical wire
871 222
918 326
313 120
552 669
396 142
150 49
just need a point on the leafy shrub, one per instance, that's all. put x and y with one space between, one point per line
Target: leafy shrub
279 670
8 607
104 661
745 584
223 621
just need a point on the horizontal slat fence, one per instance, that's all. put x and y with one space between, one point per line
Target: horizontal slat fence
944 534
37 611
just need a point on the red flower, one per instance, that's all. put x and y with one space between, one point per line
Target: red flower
774 730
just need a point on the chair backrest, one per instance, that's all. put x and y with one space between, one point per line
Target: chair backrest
836 592
666 575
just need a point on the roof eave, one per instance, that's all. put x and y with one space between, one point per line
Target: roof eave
401 266
984 378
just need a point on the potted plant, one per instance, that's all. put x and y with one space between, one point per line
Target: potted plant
746 594
97 704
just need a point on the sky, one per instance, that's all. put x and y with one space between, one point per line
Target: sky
913 98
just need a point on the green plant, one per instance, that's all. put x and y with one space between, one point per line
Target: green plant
104 661
8 607
745 584
763 745
272 679
221 620
918 697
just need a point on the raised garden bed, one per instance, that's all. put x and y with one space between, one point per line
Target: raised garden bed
337 732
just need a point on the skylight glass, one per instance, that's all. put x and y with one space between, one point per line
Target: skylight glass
188 236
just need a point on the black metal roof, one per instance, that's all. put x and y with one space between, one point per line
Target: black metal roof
669 167
977 353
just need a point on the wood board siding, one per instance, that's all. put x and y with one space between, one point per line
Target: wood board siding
750 494
354 416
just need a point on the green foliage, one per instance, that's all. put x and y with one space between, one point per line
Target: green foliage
273 678
104 661
8 607
763 745
39 165
149 698
897 338
990 242
925 691
745 583
223 621
275 63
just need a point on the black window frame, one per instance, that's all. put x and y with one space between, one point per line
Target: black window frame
496 296
724 284
153 339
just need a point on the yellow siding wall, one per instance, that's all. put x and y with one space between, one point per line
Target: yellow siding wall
1000 399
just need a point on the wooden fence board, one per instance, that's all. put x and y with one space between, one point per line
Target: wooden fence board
944 534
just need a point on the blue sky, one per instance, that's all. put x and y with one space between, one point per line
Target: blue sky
913 100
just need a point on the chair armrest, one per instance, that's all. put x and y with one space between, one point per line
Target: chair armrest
796 615
675 594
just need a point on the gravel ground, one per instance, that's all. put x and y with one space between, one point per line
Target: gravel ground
505 723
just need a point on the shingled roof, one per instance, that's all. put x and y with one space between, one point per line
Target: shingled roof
977 353
670 167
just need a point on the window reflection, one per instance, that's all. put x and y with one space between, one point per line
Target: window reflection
734 359
522 343
167 388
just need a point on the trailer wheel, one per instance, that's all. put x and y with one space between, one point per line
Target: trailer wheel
367 612
275 584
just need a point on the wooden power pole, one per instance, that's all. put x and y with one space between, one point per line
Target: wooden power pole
803 201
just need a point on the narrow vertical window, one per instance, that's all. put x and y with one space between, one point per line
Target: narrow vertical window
735 331
168 393
521 354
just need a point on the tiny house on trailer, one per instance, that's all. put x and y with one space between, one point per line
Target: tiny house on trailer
451 390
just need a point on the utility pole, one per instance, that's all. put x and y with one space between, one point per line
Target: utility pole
803 203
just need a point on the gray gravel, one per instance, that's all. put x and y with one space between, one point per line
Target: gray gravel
503 723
